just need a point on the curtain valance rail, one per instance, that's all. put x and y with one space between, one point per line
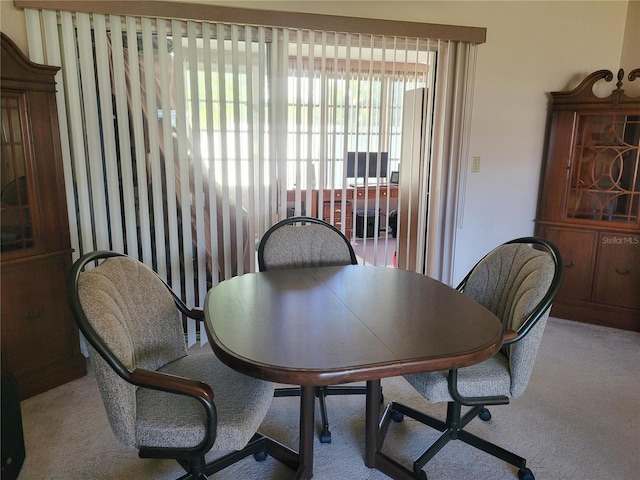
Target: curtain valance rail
269 18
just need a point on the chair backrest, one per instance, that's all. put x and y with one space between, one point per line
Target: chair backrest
129 317
518 283
302 242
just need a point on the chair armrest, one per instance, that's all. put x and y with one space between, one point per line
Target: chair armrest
196 313
171 383
452 381
202 392
509 336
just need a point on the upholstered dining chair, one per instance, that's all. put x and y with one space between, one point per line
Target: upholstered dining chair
303 242
517 281
159 398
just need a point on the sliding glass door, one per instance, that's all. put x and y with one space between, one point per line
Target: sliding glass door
184 141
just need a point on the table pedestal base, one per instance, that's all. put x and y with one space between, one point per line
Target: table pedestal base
307 412
375 431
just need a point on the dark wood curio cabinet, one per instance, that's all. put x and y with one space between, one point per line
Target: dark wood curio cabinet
590 201
40 342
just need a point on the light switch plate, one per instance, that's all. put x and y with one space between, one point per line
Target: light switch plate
475 164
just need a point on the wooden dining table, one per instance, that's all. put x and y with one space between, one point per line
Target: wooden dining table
333 325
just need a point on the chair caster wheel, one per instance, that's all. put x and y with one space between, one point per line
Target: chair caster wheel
325 436
525 474
397 416
260 456
485 415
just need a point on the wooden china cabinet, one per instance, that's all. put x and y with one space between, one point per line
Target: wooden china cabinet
40 342
590 202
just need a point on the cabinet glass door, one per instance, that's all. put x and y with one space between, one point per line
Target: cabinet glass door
16 215
605 176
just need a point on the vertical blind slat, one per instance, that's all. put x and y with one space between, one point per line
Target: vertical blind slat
91 132
197 192
241 152
139 147
421 206
75 118
153 156
174 253
334 77
297 136
34 33
119 86
252 164
211 172
183 174
310 153
107 133
224 148
277 188
262 152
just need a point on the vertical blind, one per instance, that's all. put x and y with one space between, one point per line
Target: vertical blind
184 141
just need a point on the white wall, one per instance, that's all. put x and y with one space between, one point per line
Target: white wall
532 48
630 57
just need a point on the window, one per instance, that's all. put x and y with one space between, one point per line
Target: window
219 88
332 106
344 101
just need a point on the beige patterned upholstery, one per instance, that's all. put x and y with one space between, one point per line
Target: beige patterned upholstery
302 242
126 310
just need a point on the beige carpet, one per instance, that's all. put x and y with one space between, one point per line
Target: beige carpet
579 419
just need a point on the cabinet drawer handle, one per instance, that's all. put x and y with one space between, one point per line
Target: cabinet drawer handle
620 272
570 265
33 316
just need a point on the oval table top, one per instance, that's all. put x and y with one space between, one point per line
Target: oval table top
331 325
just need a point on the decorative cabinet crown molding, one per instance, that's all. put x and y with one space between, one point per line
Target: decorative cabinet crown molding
583 94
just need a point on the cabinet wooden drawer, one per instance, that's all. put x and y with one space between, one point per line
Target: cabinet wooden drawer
578 250
617 280
371 193
337 195
337 209
40 342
